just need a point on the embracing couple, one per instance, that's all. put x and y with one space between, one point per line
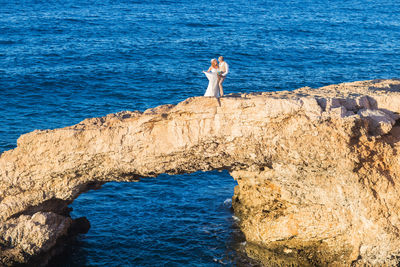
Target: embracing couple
216 75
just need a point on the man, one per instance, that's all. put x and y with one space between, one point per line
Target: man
224 68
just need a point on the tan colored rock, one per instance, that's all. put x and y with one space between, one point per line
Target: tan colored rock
27 236
380 122
317 170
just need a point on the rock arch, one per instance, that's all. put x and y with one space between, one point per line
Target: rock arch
317 169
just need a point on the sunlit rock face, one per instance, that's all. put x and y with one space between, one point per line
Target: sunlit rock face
317 170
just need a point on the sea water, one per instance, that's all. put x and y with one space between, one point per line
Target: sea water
64 61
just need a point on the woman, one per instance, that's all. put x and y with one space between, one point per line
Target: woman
212 76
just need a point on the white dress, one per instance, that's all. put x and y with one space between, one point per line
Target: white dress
213 87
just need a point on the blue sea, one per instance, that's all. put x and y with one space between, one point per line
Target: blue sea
64 61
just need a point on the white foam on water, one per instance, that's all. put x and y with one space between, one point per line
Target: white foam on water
228 201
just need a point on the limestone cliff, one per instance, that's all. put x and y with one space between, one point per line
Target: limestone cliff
317 170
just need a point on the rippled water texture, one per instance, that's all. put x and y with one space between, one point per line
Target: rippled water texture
63 61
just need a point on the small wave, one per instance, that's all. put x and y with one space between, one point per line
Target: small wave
220 261
7 42
199 25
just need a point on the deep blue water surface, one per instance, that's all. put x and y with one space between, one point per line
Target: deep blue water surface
63 61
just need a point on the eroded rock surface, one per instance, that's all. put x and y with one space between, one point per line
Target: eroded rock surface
317 170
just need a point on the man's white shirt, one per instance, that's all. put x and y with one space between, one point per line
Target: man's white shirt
224 67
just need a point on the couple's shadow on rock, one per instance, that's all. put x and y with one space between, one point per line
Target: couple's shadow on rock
233 95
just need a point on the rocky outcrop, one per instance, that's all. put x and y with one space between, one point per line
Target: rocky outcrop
317 170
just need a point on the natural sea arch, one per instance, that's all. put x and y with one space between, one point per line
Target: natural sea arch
317 170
